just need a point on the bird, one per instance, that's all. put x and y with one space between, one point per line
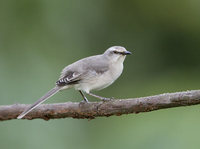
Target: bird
87 74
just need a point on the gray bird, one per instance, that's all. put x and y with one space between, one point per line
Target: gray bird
91 73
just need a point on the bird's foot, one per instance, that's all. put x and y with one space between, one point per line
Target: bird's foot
84 101
104 99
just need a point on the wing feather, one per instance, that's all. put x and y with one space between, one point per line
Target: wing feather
69 78
83 69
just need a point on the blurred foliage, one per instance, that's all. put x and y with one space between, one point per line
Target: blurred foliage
38 38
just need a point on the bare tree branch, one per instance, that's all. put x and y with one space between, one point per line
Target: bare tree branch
99 109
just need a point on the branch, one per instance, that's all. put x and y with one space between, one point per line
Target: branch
99 109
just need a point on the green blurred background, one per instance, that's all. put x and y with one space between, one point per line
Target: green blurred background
38 38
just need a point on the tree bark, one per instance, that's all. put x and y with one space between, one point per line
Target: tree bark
92 110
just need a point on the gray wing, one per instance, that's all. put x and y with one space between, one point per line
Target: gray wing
83 69
71 77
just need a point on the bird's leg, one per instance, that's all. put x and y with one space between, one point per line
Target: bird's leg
99 97
85 99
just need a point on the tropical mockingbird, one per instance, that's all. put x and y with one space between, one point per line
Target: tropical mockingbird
91 73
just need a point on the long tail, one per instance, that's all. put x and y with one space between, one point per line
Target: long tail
39 101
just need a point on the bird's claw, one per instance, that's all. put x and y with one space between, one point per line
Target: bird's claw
84 101
107 99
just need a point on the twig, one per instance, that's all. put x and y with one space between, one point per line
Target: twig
99 109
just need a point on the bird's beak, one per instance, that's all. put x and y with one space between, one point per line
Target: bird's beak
127 53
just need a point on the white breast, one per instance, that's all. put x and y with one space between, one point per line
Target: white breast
101 81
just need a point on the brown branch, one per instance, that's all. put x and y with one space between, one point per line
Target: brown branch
99 109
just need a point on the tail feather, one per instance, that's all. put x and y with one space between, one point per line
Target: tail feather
39 101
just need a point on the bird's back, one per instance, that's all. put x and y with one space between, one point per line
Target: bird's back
96 63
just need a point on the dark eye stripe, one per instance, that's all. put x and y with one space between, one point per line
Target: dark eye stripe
116 52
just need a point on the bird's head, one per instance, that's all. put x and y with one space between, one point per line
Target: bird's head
116 53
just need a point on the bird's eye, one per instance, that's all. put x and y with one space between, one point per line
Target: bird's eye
115 52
